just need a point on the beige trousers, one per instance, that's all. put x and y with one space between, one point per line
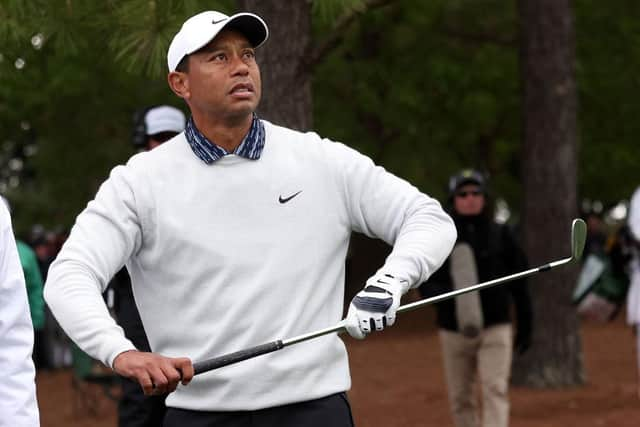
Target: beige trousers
486 358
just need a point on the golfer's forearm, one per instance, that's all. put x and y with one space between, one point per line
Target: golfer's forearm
76 302
424 241
103 237
387 207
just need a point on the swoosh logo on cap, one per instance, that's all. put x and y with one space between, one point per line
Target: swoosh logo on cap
214 22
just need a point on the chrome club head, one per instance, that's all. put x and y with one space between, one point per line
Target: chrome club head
578 238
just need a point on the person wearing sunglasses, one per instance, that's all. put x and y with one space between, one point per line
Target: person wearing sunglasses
476 331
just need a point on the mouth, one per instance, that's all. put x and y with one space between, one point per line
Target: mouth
242 89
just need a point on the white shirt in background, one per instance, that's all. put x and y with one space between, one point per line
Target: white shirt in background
18 404
633 298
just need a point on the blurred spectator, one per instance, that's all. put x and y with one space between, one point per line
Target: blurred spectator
18 404
603 281
53 347
596 233
44 254
37 231
42 243
475 328
57 238
152 127
34 284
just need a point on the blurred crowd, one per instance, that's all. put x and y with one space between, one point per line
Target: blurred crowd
52 348
604 278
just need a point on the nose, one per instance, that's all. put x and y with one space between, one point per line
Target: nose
239 67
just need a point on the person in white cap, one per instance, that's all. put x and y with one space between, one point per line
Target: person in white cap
18 403
152 127
235 233
156 125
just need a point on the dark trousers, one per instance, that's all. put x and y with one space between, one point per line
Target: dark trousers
330 411
134 408
137 410
39 350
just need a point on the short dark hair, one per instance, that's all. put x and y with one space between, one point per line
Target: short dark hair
183 65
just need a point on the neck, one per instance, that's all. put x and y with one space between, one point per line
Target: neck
227 134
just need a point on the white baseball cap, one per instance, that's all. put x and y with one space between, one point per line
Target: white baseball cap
164 119
200 29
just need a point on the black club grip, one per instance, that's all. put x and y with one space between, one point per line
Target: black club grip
238 356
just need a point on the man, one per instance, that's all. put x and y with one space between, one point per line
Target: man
152 127
18 404
235 233
475 328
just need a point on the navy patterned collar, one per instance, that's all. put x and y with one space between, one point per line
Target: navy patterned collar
207 151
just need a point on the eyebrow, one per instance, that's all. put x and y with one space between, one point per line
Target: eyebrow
213 47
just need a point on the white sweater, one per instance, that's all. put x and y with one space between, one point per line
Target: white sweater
218 264
18 404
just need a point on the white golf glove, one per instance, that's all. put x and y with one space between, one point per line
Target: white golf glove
375 306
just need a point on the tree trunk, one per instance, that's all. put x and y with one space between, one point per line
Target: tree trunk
550 171
286 85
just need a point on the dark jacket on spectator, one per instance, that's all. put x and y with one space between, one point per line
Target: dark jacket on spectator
497 254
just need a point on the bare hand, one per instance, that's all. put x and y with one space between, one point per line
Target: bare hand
156 374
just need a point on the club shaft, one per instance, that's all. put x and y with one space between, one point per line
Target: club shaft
228 359
442 297
480 286
300 338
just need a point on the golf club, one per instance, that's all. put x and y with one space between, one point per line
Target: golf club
578 237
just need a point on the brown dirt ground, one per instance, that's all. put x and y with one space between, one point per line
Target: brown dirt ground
398 381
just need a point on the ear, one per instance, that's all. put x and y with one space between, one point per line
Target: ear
179 84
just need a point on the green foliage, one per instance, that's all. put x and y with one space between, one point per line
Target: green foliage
424 87
144 33
422 84
12 15
326 11
99 62
429 87
608 47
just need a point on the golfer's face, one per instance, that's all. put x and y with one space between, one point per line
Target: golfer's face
224 78
469 200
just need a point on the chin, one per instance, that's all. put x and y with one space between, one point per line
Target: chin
240 115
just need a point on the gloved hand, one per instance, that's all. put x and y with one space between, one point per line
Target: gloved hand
375 306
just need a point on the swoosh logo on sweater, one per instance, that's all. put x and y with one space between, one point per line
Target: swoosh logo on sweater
284 200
